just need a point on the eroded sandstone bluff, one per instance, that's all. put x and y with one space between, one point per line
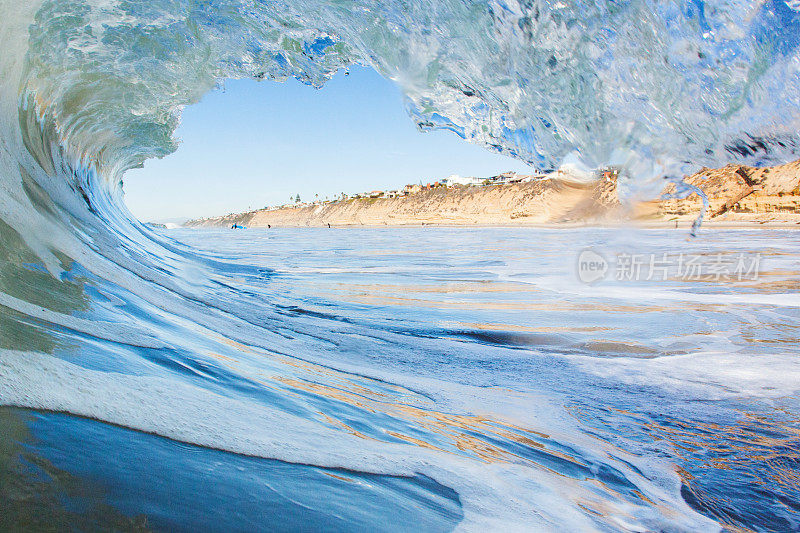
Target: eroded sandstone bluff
735 193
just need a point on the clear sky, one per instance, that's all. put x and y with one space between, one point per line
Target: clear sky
256 143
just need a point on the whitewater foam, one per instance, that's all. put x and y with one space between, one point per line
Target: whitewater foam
508 496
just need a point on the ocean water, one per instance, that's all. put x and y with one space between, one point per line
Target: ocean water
418 379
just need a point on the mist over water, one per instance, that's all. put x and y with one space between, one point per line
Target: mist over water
431 378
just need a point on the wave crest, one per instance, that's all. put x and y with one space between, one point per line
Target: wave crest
655 84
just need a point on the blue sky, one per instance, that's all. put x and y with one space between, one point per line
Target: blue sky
257 143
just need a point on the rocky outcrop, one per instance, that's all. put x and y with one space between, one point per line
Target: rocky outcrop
735 193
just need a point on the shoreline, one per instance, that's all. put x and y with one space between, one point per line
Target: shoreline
627 224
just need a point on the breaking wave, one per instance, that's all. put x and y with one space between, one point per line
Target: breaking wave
101 317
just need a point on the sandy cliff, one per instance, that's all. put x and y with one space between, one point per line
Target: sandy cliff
737 194
550 200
